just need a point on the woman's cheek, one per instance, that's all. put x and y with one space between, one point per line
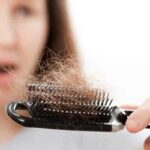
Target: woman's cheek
32 42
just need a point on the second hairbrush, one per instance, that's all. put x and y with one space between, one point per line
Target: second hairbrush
68 108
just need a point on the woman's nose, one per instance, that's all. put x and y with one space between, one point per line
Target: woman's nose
7 32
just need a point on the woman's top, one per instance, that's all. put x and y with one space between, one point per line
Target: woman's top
46 139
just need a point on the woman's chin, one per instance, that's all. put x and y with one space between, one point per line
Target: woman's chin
5 100
11 92
6 97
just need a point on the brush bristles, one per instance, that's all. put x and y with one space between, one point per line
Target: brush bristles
61 91
46 101
69 95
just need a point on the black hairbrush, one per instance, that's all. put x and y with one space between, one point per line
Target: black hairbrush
68 108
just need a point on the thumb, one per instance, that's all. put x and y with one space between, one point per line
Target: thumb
147 144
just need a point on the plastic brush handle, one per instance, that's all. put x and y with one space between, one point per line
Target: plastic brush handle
22 120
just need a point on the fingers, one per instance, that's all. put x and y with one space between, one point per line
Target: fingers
147 144
140 118
129 107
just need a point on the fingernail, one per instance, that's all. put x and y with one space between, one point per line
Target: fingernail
133 124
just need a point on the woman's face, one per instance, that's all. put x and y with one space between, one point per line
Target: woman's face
23 34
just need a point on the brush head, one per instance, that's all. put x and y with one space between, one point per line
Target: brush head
64 107
45 100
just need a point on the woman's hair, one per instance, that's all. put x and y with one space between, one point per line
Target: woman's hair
59 62
59 27
60 39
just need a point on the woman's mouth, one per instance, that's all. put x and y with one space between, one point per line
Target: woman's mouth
4 69
7 73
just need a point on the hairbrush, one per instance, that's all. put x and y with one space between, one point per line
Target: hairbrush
68 108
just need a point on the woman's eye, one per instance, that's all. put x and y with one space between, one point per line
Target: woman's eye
25 11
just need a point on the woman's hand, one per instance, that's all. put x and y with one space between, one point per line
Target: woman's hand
140 118
147 144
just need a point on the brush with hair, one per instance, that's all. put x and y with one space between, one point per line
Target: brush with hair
68 108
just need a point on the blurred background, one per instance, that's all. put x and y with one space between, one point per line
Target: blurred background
113 39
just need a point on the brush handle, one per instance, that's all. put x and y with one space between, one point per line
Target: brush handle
22 120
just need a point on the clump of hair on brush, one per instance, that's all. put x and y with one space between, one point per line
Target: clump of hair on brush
66 73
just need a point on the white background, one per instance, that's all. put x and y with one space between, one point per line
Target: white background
113 39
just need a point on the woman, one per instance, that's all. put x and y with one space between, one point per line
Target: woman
24 29
28 29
